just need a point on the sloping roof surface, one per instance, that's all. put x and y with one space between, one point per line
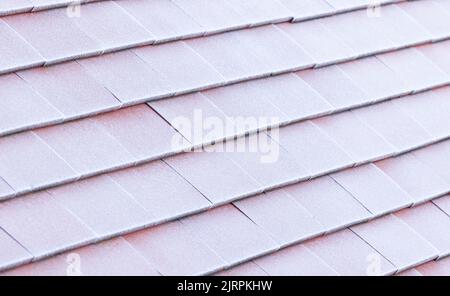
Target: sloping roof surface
98 177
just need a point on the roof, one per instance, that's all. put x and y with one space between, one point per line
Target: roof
128 130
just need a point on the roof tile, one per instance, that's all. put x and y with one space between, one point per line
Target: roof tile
15 6
295 261
324 46
54 35
140 130
164 19
396 241
172 250
16 53
307 8
373 188
377 80
260 12
11 252
431 15
229 233
160 190
182 66
86 146
111 209
213 16
415 177
435 268
40 234
438 53
27 163
435 157
245 269
356 138
22 107
348 254
314 150
274 211
431 223
111 26
394 124
214 175
420 75
443 203
329 203
110 258
431 109
356 36
188 114
128 77
335 87
6 190
70 89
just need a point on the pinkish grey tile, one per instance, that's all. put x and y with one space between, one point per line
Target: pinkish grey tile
54 35
414 176
6 190
295 261
103 205
111 26
86 146
306 9
420 75
281 216
15 6
435 268
313 148
114 257
164 19
377 80
246 269
350 255
395 125
28 163
443 203
259 12
160 190
213 16
70 89
229 233
140 130
43 235
329 203
431 223
335 86
11 252
181 65
16 53
320 43
374 189
22 107
396 241
355 137
215 175
172 250
438 53
129 78
436 157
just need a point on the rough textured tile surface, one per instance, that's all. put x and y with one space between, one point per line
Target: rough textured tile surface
280 215
58 229
396 241
70 89
229 233
295 261
328 202
373 188
21 107
349 255
27 163
111 258
172 250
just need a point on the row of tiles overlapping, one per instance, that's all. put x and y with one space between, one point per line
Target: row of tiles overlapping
192 182
295 9
134 135
100 84
249 228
